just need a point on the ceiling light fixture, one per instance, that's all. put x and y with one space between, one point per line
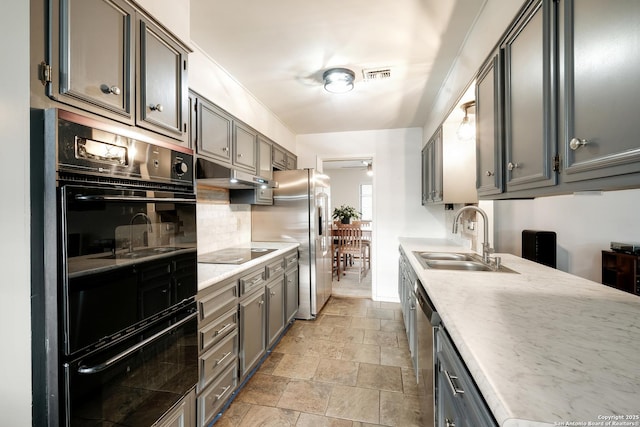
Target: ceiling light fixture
338 80
467 129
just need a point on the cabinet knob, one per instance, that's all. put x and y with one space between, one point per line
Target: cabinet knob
489 173
239 155
449 423
576 143
261 302
511 166
225 149
114 90
273 294
157 107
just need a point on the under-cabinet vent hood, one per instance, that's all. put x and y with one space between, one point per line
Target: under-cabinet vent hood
217 175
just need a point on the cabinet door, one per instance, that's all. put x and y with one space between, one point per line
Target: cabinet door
291 295
436 164
252 331
600 87
425 170
92 49
265 158
275 307
489 142
183 415
529 106
292 161
213 131
245 142
279 158
162 82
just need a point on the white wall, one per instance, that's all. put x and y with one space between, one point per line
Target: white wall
585 224
346 188
396 192
15 290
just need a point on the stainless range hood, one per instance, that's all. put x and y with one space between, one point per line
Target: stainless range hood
217 175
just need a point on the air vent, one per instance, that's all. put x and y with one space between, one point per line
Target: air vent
376 74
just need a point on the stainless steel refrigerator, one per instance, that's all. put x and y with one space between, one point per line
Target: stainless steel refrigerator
300 213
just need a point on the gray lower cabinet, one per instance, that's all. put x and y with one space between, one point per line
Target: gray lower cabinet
275 308
291 297
406 281
217 348
489 137
252 330
458 400
600 97
530 131
109 58
182 415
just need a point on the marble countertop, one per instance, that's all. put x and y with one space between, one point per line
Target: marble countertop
545 347
209 274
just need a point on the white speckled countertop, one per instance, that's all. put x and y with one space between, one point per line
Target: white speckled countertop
208 274
546 348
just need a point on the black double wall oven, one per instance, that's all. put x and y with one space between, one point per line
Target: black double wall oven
126 273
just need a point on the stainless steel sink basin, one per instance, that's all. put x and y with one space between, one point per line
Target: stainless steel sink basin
445 256
456 261
458 265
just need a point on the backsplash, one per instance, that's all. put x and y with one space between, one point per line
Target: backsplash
222 225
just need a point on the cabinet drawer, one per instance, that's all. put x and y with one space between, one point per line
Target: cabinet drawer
290 261
214 361
252 281
212 399
218 329
218 302
275 268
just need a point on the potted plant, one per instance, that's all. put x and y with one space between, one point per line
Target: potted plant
345 213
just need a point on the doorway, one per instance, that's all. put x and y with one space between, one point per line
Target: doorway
352 185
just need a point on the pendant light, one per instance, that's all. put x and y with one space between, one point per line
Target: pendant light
467 129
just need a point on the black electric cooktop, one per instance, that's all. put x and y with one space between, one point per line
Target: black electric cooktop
233 255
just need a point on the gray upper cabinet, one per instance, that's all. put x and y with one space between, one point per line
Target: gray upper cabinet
530 132
91 59
432 169
600 86
213 131
489 142
162 82
265 157
245 147
292 161
279 158
108 58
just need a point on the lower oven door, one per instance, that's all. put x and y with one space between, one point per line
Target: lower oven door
135 382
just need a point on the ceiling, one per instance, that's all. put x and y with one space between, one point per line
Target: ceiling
278 50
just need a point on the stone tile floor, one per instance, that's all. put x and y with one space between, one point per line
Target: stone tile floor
350 367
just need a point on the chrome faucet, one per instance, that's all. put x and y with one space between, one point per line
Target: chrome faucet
146 219
486 247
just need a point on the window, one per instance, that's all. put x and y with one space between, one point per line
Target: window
366 201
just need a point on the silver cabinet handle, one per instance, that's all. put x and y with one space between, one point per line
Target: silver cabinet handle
273 294
157 107
114 90
224 391
576 143
225 148
449 423
221 330
223 357
489 173
511 166
454 388
261 302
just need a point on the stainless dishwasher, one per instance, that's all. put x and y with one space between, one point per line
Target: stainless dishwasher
427 319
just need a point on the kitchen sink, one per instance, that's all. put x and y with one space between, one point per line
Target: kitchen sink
456 261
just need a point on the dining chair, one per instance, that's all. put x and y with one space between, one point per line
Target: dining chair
349 247
365 226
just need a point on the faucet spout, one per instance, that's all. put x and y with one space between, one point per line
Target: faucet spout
486 248
146 219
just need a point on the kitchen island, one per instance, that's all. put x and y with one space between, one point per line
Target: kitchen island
545 347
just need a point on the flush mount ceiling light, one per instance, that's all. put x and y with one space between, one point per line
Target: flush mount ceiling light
467 128
338 80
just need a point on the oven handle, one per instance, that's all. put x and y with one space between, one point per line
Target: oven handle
82 198
115 359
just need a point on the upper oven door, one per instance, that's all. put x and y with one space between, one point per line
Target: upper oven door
128 256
